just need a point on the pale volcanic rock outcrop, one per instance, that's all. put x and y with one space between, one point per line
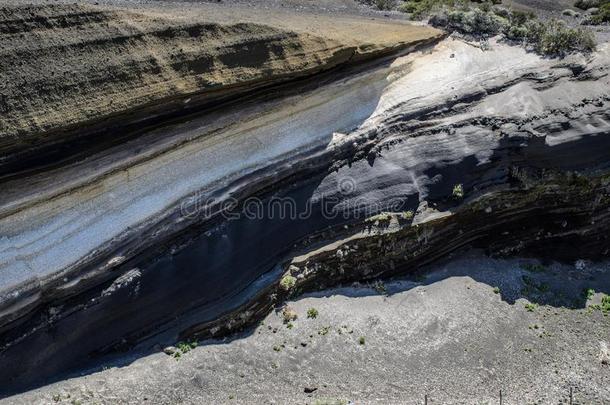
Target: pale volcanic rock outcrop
72 71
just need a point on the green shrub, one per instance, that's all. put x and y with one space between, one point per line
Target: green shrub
530 307
474 22
517 17
587 4
558 39
551 37
385 4
312 313
606 303
602 15
421 8
289 314
287 282
458 192
184 348
516 32
408 215
588 293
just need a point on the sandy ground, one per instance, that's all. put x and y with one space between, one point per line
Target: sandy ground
445 334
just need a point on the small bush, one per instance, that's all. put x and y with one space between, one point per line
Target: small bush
289 314
588 293
361 340
379 286
381 217
551 37
312 313
407 215
555 38
530 307
606 303
602 15
496 290
385 4
420 8
458 192
288 282
476 22
587 4
558 39
184 348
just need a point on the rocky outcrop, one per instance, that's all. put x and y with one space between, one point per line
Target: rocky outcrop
85 74
188 229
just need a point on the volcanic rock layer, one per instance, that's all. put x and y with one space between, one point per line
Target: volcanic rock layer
197 227
76 74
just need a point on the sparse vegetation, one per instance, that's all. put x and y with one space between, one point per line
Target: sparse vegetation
602 15
606 303
381 4
289 314
385 4
324 330
361 340
312 313
532 286
379 286
475 21
418 9
552 37
386 217
381 217
588 293
407 215
496 290
604 306
288 282
185 347
587 4
458 192
531 307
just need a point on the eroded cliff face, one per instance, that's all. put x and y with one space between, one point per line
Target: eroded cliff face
75 71
361 173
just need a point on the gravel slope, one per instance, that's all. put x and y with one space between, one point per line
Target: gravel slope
446 335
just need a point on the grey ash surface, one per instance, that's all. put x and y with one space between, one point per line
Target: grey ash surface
445 334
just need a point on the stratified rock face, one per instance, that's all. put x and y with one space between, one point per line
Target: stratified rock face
101 62
69 70
454 145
